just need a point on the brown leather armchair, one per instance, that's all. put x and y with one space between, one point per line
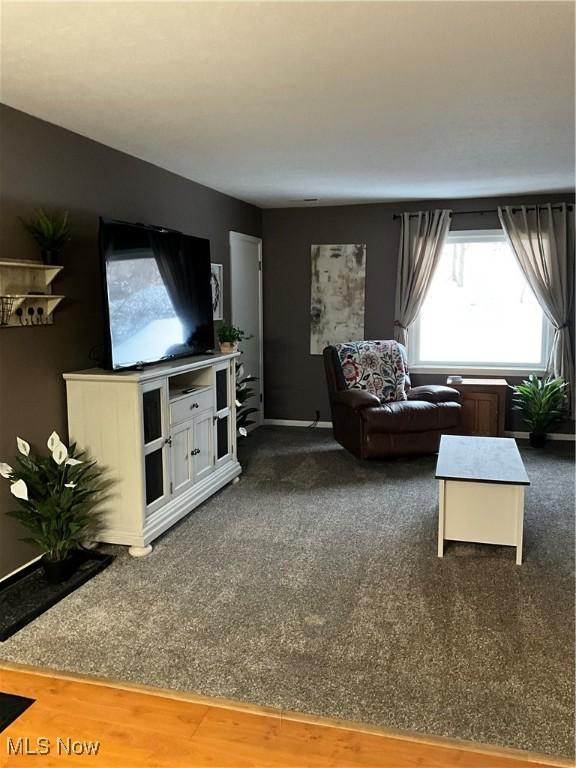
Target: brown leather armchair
371 429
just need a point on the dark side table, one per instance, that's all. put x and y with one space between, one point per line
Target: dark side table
483 406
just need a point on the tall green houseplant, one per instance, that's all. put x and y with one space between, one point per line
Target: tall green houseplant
57 495
542 403
244 393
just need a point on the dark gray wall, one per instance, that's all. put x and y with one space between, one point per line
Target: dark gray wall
43 165
294 379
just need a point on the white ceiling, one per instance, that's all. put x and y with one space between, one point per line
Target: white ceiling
275 102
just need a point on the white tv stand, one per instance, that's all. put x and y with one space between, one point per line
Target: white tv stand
165 437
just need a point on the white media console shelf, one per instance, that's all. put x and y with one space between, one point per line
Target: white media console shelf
165 437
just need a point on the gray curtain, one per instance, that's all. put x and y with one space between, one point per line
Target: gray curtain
542 240
423 236
176 267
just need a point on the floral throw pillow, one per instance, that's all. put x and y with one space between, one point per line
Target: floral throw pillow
379 367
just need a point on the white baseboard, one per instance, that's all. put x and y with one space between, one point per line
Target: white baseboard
550 436
21 568
296 423
328 425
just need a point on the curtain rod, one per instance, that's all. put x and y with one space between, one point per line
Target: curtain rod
491 210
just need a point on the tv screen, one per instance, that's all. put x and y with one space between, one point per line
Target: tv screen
158 294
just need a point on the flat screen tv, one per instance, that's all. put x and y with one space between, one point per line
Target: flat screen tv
158 296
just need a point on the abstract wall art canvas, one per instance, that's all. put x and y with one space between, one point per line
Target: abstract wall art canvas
337 295
216 280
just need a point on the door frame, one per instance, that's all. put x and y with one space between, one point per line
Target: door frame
235 236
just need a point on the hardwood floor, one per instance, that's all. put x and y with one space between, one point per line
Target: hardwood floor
141 727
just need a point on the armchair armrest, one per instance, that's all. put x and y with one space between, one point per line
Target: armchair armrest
355 399
434 393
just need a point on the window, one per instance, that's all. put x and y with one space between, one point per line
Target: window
480 312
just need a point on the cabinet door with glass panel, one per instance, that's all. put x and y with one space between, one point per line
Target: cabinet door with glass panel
225 412
155 432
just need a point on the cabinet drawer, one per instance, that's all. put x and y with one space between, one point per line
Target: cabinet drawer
186 407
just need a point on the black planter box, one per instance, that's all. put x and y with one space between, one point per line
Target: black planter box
27 594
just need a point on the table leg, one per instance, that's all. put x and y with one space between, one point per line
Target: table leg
519 522
441 498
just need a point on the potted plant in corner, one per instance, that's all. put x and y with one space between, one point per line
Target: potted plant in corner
51 233
229 337
243 394
57 497
542 402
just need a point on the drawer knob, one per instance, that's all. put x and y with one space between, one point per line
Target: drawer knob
194 405
195 452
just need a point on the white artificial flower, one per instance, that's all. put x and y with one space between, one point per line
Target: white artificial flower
73 462
23 446
19 490
70 485
243 431
53 440
60 453
5 470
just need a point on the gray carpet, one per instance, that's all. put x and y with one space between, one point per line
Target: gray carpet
314 585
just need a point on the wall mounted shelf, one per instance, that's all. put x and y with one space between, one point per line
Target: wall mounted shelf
26 296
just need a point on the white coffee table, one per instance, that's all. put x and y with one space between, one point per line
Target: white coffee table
481 491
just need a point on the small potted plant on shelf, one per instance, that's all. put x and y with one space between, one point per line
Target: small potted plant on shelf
57 497
51 233
229 337
543 404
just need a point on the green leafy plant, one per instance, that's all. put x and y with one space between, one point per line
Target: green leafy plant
231 334
50 231
57 495
541 401
243 394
